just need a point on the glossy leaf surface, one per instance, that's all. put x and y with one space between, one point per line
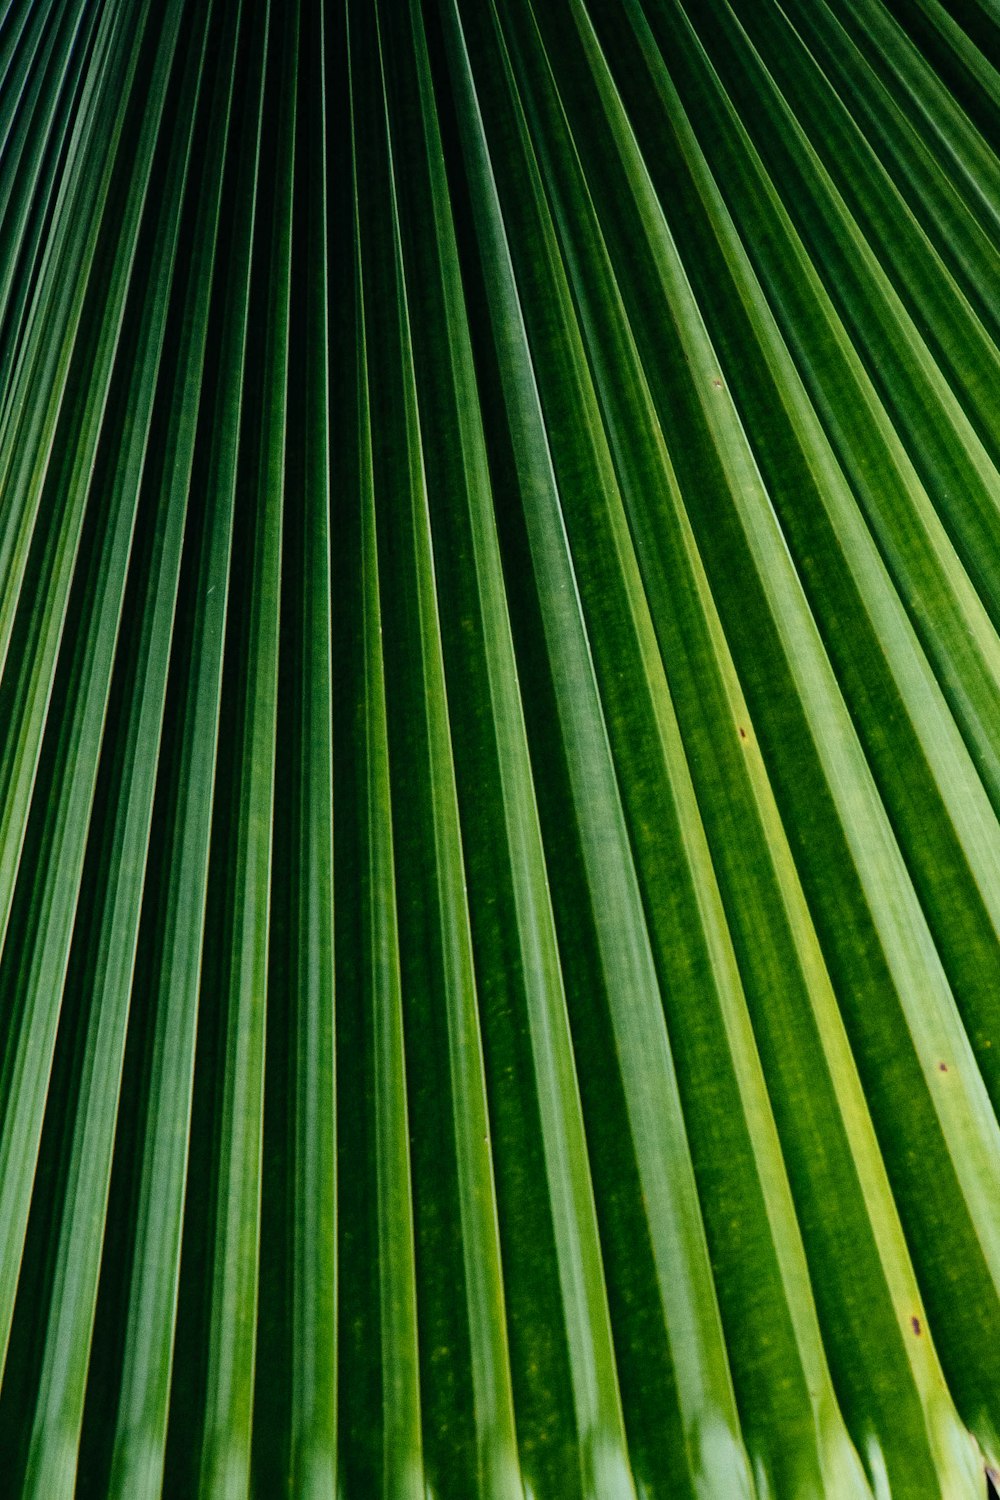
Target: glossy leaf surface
500 749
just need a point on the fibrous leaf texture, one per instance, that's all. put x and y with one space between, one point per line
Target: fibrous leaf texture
499 749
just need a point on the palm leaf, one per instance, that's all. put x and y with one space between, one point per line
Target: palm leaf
500 749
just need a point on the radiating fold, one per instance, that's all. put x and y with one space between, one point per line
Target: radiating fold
499 766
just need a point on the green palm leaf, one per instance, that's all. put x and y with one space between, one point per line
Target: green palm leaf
500 749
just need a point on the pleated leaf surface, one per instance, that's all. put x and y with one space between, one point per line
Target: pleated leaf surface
500 749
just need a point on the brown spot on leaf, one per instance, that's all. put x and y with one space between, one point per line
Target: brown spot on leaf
717 384
743 733
943 1067
915 1325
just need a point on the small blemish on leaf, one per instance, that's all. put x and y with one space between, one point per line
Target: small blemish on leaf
717 384
743 733
915 1325
943 1067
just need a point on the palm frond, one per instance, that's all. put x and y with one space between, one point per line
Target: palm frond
500 749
